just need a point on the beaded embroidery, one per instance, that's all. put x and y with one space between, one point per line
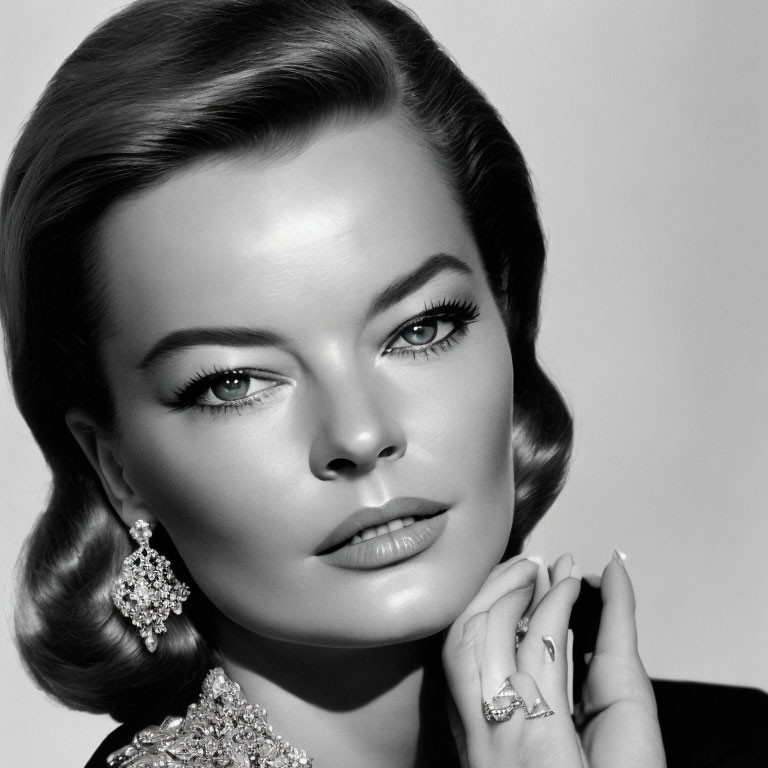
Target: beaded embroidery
222 730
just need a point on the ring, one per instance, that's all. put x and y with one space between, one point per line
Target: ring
499 714
496 712
540 709
522 628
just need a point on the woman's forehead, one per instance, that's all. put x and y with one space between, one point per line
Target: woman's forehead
354 209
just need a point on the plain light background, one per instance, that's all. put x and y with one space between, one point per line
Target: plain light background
645 125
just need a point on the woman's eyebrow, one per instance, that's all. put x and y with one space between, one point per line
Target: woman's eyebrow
404 286
250 337
193 337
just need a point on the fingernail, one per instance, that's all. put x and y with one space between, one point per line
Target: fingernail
620 557
549 644
536 559
575 571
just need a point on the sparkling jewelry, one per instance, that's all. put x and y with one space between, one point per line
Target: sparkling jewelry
222 729
549 644
522 628
147 590
497 712
540 709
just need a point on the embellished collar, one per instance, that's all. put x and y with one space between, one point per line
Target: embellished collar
222 730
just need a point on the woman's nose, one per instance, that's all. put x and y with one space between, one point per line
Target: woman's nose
354 435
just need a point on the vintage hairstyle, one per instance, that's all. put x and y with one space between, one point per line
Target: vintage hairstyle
159 85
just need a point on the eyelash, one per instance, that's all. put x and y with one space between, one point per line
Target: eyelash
460 312
186 396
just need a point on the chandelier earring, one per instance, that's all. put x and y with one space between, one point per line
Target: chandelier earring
147 590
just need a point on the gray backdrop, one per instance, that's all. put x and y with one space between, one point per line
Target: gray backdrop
645 126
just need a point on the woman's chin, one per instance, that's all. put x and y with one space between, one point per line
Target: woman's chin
395 623
350 626
403 632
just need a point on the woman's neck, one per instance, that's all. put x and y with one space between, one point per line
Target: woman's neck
347 707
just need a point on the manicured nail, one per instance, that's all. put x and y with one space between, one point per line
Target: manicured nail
536 559
620 557
575 571
549 644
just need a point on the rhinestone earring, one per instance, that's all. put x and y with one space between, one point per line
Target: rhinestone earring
147 590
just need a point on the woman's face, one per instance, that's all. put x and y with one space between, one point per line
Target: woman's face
298 339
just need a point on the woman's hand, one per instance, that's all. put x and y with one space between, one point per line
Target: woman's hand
621 730
618 710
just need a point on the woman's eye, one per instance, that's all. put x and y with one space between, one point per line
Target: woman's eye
425 331
233 386
442 326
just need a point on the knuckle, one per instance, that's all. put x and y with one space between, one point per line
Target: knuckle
523 679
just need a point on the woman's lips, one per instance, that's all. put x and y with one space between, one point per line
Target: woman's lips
374 537
383 529
391 547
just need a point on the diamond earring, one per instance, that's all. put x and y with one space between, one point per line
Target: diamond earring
147 590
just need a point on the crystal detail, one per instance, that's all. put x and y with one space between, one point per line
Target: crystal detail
221 730
151 642
147 590
540 709
141 531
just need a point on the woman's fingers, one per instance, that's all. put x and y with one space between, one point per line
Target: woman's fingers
544 651
509 577
479 655
550 619
465 643
615 672
618 631
519 573
619 707
526 713
542 583
561 568
533 703
499 643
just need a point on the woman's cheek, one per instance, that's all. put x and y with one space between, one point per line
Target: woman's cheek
221 514
465 409
200 476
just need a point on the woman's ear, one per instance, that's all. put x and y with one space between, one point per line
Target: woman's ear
99 448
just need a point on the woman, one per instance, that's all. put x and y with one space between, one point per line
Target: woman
283 262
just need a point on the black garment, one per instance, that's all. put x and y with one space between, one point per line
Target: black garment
702 725
120 737
712 726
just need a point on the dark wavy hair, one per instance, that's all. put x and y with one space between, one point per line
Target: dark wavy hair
159 85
